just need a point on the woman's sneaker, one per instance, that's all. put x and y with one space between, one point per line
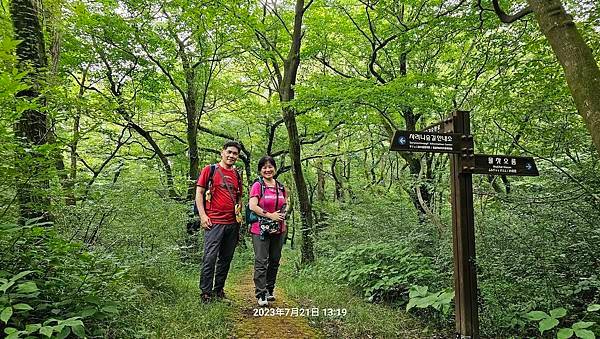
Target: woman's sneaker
270 296
262 300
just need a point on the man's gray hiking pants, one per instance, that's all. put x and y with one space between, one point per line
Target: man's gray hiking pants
219 245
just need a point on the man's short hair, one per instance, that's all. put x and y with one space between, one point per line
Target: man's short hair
232 143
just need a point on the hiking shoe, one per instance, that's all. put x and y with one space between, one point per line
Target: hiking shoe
220 294
205 298
270 295
262 300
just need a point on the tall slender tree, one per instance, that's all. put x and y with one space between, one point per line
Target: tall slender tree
31 129
286 93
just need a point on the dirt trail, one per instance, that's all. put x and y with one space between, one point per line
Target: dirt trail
250 323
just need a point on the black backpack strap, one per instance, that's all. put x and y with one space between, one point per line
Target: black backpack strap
211 174
262 188
276 197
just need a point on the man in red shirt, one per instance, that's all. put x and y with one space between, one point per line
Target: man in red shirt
217 200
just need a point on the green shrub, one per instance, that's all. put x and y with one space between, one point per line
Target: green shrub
381 271
51 286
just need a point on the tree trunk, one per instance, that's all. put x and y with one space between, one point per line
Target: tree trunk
191 110
192 140
339 188
71 200
31 129
320 181
306 217
576 58
286 93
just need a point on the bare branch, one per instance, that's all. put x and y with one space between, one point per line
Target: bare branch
165 72
507 19
328 65
276 13
356 25
374 57
223 135
307 5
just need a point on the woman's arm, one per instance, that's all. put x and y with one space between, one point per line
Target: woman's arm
253 204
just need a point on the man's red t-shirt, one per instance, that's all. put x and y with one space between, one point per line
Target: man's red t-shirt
221 208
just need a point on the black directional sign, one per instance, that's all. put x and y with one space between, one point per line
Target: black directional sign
500 165
444 126
427 142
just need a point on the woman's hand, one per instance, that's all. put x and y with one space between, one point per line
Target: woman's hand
276 216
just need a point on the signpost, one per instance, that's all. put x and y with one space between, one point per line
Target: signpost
453 136
426 142
501 165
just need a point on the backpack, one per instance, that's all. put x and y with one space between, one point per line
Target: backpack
252 217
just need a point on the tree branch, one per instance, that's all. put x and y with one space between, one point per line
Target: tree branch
507 19
328 65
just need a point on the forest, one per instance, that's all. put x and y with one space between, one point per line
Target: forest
109 110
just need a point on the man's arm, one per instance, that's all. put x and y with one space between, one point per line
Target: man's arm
204 219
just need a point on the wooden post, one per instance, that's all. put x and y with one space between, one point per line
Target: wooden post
463 234
453 136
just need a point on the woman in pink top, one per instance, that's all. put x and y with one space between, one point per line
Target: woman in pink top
269 200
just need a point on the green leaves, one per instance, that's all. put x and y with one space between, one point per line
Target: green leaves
46 330
421 298
565 333
581 331
582 324
593 308
110 309
20 275
28 287
547 322
6 313
558 312
79 331
377 269
6 286
31 328
22 307
537 315
585 334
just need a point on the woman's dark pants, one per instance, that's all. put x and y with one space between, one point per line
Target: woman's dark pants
267 253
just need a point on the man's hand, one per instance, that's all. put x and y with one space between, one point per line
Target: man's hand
205 221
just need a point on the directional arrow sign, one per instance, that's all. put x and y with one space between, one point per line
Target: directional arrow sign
500 165
412 141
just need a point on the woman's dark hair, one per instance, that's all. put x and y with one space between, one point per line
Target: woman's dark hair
264 160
